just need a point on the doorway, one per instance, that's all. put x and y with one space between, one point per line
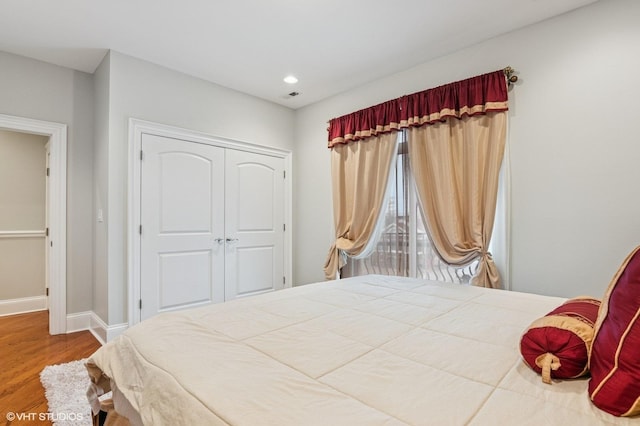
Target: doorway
56 207
22 222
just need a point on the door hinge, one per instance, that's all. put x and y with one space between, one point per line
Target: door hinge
141 155
284 280
140 304
48 171
284 226
47 291
284 174
140 230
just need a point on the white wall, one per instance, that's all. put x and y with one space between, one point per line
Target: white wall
146 91
41 91
573 141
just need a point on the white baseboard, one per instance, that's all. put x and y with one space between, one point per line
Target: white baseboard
92 322
115 330
103 332
23 305
79 321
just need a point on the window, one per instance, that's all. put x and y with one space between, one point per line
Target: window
401 245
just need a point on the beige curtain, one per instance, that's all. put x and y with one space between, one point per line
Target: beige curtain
456 164
360 172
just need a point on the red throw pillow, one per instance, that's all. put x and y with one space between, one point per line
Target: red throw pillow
557 345
615 358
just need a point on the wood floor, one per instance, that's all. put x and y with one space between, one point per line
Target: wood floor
25 349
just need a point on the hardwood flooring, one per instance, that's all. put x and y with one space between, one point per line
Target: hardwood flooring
25 349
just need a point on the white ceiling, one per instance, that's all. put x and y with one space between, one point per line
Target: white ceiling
250 45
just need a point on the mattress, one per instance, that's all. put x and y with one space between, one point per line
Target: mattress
371 350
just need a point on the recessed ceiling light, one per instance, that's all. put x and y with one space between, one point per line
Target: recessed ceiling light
290 79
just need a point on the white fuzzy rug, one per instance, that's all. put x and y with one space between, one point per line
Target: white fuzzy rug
66 387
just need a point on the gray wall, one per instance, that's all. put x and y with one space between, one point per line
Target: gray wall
573 147
142 90
100 188
41 91
96 109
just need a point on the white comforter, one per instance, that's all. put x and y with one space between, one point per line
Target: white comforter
371 350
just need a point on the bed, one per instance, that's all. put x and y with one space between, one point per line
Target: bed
371 350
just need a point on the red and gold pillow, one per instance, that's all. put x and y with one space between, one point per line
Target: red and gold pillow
558 344
615 358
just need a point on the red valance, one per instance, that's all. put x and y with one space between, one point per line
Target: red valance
475 95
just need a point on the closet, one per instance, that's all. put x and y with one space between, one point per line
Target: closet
212 223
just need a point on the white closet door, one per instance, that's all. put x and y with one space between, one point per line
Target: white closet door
254 221
182 216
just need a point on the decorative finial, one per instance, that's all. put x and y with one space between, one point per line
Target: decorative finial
510 73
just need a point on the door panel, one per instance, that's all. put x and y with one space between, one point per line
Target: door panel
174 290
182 212
185 180
255 192
255 269
254 219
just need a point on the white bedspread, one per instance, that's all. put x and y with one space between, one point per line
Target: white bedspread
371 350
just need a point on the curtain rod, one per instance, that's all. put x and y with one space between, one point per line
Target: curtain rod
508 71
510 74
